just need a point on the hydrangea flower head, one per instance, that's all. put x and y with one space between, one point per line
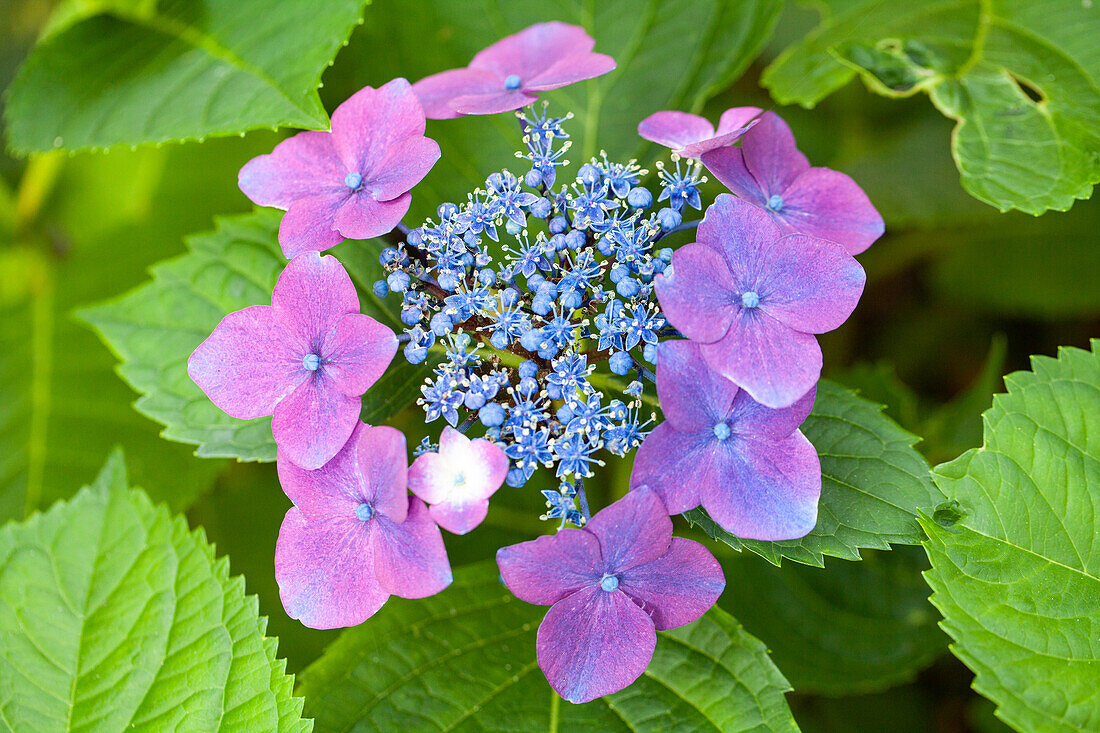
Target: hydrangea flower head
458 480
354 537
749 466
754 296
510 73
769 171
689 136
352 182
611 586
306 359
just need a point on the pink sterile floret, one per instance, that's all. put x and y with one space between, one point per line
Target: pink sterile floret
306 359
510 73
354 536
689 136
611 586
458 480
351 183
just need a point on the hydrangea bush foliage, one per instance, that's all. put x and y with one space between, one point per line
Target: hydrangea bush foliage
527 396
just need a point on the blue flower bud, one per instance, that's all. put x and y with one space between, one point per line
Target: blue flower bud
515 478
415 237
669 218
509 296
531 339
474 400
571 300
535 281
486 277
512 227
558 225
548 350
628 287
575 239
491 415
446 210
528 369
380 288
533 178
618 272
620 363
388 255
542 207
589 174
499 340
542 304
527 386
649 353
559 242
411 316
639 198
398 281
553 391
441 324
415 354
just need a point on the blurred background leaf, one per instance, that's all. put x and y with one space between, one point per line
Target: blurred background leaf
115 72
1018 76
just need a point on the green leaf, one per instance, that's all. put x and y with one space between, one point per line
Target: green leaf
139 71
846 629
1042 269
1021 79
1016 574
154 329
84 239
671 54
872 484
465 659
115 615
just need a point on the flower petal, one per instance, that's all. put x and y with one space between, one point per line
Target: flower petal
594 643
828 204
312 424
693 395
743 234
384 467
771 361
547 569
372 121
533 50
765 490
307 225
311 296
299 167
771 155
697 298
738 118
361 217
333 490
677 587
675 129
459 518
410 558
403 166
575 68
632 531
491 104
325 572
674 465
728 166
749 417
435 92
247 364
356 353
810 284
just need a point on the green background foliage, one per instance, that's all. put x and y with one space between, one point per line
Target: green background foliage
113 266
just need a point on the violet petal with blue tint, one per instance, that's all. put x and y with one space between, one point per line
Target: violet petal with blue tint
677 587
549 568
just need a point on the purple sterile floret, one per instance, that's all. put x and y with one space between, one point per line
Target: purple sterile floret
458 480
611 587
689 136
769 171
306 359
354 537
754 296
352 182
510 73
749 466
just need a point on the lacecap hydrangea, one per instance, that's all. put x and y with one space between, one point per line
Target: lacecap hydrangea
555 327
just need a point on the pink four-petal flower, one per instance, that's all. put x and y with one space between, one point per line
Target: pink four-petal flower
352 182
510 73
753 296
749 466
769 172
458 480
689 136
354 536
611 586
306 359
